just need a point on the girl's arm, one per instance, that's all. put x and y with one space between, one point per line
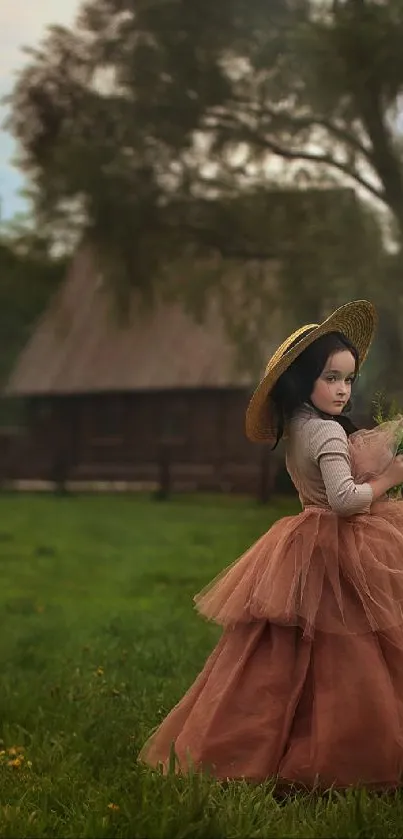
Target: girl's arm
328 447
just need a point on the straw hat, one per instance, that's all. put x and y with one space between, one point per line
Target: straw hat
356 320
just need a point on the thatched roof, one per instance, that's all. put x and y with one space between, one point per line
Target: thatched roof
77 347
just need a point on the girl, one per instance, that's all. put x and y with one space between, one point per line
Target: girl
306 683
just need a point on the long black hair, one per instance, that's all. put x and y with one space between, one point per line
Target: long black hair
295 386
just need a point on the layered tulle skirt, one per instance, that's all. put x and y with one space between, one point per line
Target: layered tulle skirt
306 682
319 572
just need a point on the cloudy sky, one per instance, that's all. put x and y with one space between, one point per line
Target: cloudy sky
22 23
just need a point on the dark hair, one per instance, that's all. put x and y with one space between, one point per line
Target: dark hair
296 384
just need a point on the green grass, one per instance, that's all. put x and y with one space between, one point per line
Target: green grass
98 640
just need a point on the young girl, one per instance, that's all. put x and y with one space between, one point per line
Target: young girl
306 682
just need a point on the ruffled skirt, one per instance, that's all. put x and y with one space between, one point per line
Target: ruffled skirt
306 682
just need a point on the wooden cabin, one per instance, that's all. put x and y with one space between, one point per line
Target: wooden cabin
157 402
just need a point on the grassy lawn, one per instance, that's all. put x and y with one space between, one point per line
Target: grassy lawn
98 640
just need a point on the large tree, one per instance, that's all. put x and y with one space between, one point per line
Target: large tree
144 121
137 78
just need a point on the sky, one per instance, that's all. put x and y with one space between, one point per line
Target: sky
22 23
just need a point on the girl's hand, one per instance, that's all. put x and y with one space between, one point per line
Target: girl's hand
394 472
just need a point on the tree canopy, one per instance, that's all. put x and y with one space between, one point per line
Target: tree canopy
147 99
162 127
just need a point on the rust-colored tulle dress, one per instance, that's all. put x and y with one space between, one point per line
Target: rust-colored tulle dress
306 682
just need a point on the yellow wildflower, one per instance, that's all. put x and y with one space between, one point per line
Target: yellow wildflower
112 806
16 763
100 671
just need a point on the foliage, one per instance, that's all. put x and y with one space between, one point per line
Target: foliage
99 641
388 411
28 277
148 75
384 412
140 123
169 132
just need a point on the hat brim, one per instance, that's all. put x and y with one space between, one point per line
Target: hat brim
356 321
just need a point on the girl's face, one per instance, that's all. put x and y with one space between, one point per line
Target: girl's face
332 390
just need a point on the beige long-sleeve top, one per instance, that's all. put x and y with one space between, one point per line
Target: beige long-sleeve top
318 462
